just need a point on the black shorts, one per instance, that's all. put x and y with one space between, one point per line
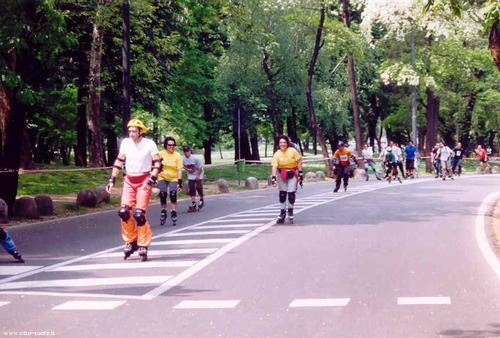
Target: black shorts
194 185
410 164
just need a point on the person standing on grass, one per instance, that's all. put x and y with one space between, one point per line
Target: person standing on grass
7 241
286 174
195 174
138 153
170 179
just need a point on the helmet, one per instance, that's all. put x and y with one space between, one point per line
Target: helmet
137 123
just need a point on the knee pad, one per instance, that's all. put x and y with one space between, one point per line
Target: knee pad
140 217
282 196
124 213
173 196
291 197
163 197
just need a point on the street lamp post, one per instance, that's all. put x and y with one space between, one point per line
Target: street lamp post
414 93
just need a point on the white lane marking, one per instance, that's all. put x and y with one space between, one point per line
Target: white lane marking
116 266
198 233
227 220
194 241
4 303
320 302
89 305
225 226
424 301
248 214
166 252
481 237
85 282
71 294
207 304
14 270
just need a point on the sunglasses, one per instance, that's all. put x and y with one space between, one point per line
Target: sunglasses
170 145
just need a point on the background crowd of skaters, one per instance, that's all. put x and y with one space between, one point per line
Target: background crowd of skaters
166 171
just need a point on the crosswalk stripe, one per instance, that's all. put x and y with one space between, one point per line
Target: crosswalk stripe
220 232
424 301
227 220
4 303
14 270
85 282
89 305
207 304
194 251
225 226
117 266
320 302
194 241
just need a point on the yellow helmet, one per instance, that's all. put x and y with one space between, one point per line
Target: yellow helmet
137 123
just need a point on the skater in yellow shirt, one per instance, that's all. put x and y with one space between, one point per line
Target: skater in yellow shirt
286 173
169 179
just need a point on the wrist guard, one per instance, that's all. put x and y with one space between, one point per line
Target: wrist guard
273 180
152 180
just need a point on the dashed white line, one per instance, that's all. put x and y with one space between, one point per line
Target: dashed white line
85 282
424 301
320 302
207 304
4 303
227 220
89 305
225 226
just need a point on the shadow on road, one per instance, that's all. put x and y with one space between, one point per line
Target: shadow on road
493 332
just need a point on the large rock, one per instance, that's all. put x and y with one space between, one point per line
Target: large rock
102 195
495 170
155 191
44 205
320 175
311 177
86 198
270 180
252 183
221 186
4 212
359 173
26 207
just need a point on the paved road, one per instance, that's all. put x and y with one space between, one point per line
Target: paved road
378 261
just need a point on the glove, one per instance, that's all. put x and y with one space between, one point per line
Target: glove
273 180
179 183
152 180
301 178
111 182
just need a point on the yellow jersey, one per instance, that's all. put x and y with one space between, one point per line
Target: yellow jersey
171 162
287 159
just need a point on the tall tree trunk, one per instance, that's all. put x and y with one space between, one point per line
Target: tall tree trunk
467 122
291 126
494 42
241 143
354 90
112 142
273 110
254 143
12 120
26 157
208 142
81 125
126 66
310 103
372 120
432 124
94 111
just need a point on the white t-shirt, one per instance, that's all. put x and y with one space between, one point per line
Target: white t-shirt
445 153
398 152
138 156
367 154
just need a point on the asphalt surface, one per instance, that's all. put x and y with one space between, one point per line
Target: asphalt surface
380 260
